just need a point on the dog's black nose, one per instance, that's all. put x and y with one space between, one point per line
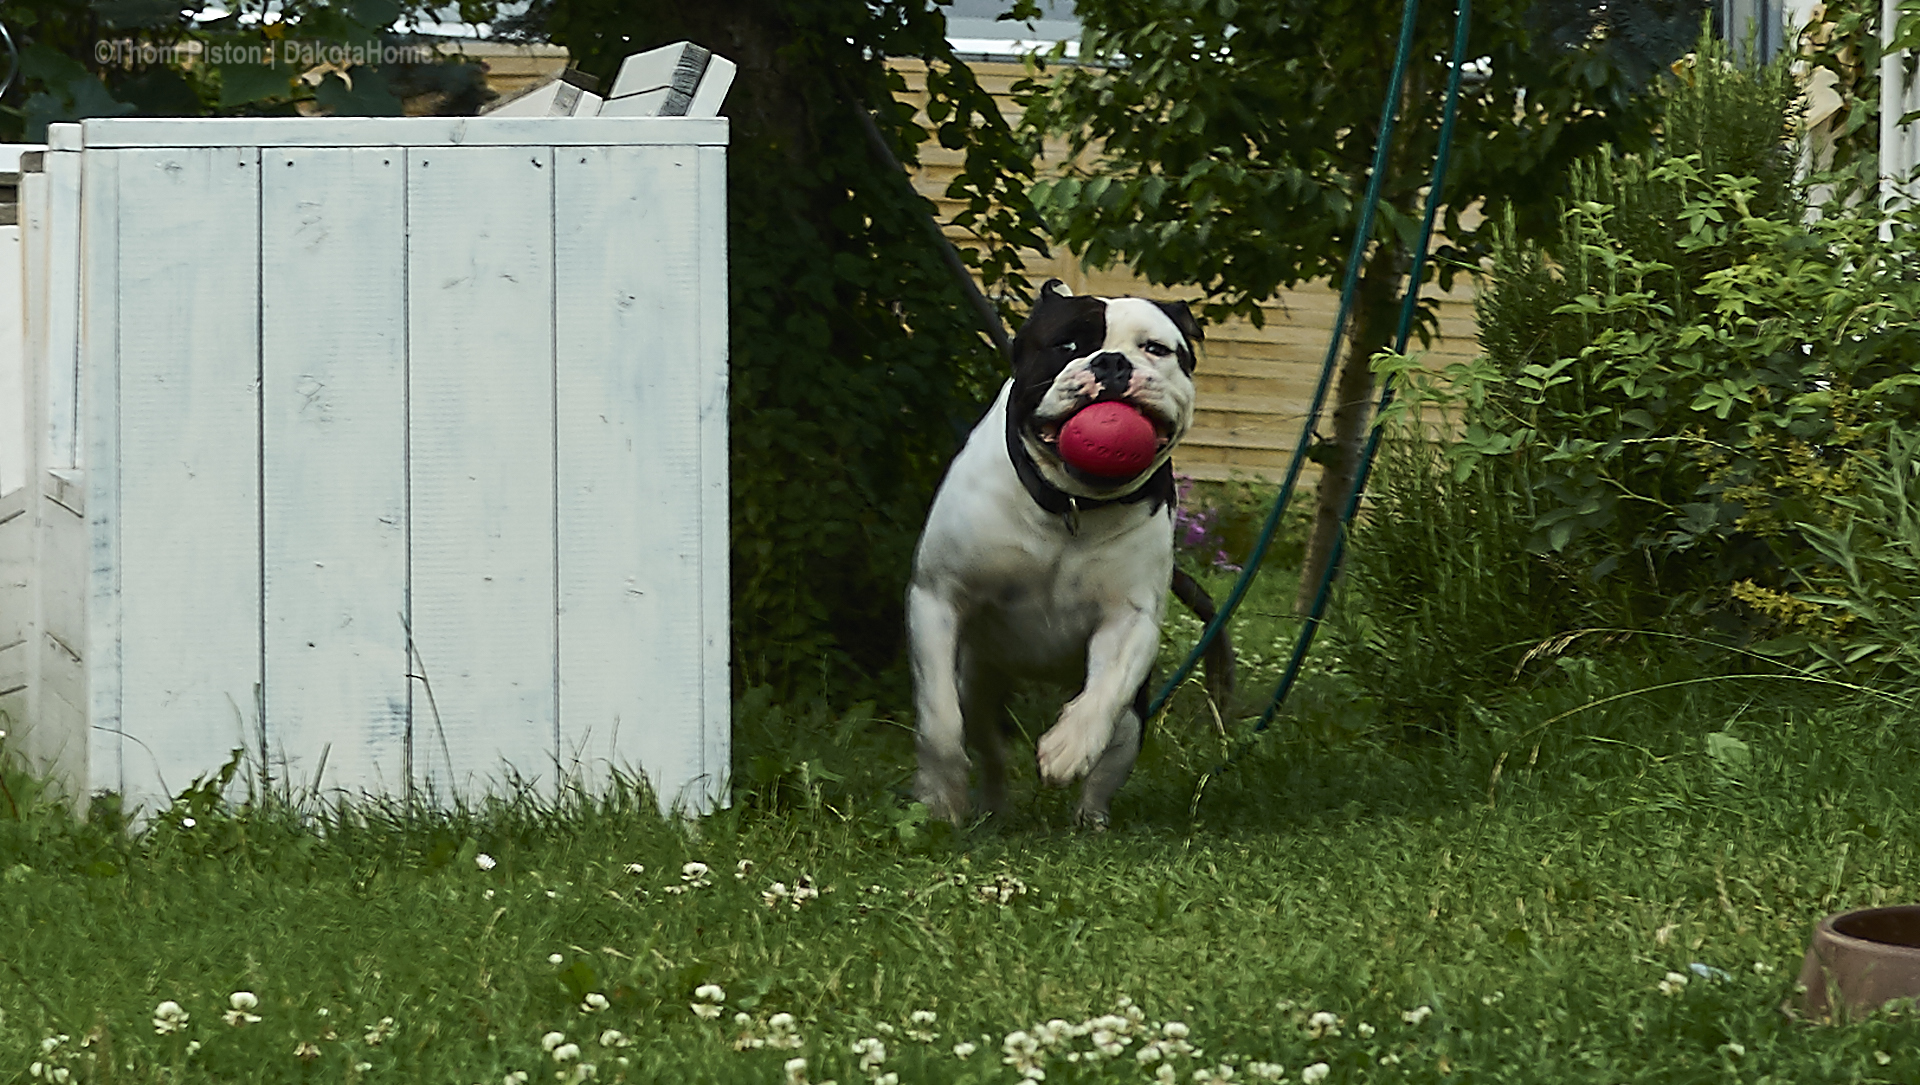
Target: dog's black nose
1112 370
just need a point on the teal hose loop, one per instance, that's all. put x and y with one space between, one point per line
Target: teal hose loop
1363 232
1408 306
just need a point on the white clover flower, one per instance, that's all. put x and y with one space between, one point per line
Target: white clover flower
1107 1042
706 1010
236 1018
780 1022
1166 1075
594 1002
635 868
169 1017
923 1017
192 1046
1150 1053
362 1067
552 1040
613 1037
1315 1073
796 1071
243 1000
1880 1057
1417 1015
378 1032
1219 1075
484 861
566 1052
555 958
1762 968
888 1078
1673 984
515 1077
488 895
743 1019
1389 1060
963 1049
188 823
1365 1030
1323 1024
741 869
710 992
47 1045
1267 1071
872 1053
694 875
306 1051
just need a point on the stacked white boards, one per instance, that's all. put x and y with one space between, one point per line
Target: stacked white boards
397 448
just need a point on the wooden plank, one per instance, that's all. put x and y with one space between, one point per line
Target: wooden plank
402 131
60 675
100 368
716 637
333 447
481 462
627 389
188 500
13 367
65 429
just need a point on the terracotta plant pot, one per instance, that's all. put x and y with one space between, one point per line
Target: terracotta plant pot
1862 960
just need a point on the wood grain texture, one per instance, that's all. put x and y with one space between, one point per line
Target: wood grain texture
13 365
333 444
188 495
627 391
716 636
65 427
100 392
481 425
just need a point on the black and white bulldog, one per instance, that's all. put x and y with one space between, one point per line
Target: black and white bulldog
1032 568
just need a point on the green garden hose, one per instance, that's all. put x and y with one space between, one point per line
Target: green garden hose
1362 234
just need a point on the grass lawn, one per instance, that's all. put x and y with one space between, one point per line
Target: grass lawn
1503 906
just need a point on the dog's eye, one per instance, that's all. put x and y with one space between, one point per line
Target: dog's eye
1158 350
1068 347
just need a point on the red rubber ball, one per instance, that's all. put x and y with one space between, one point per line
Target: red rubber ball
1109 439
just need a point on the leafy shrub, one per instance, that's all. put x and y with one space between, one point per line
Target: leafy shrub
1681 397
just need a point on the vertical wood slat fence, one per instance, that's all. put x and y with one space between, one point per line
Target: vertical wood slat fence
404 455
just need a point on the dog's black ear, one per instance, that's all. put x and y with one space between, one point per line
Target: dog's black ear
1182 318
1052 290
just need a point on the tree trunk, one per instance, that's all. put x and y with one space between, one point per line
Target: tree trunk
1370 330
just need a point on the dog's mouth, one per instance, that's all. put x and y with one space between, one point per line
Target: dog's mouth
1047 430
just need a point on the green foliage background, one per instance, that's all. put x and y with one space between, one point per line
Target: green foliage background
1691 428
75 62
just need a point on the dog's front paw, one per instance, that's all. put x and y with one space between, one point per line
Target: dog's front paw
944 797
1067 752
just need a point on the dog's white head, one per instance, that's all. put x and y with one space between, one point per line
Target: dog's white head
1074 351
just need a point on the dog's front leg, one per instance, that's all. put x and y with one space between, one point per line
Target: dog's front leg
1119 655
933 629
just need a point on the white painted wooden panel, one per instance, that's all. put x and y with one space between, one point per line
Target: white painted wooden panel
716 635
16 607
100 389
333 469
480 421
65 432
62 737
13 364
627 331
188 357
404 131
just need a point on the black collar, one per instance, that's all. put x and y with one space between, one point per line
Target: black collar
1159 488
